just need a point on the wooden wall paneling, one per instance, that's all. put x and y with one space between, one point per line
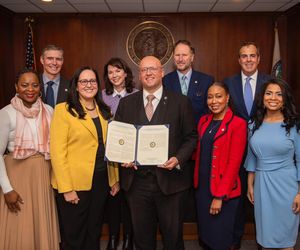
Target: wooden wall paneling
64 31
202 31
293 52
6 52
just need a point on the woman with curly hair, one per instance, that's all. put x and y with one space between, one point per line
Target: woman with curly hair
273 165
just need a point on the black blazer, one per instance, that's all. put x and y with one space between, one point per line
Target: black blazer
197 91
62 90
173 109
235 86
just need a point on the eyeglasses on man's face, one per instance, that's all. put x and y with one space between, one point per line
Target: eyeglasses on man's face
151 70
85 82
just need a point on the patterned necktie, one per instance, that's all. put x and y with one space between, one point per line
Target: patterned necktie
149 107
184 88
248 95
50 94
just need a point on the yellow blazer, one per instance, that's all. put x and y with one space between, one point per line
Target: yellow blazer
73 148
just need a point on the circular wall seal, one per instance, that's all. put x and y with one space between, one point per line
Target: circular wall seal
150 39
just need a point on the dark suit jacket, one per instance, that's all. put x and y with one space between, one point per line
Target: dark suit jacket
62 90
173 109
235 87
197 91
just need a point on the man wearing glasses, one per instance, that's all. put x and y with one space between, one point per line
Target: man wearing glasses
54 86
158 192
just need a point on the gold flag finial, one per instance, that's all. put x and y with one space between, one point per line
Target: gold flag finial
29 20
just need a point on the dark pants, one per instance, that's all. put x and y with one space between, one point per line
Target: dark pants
148 205
82 223
118 211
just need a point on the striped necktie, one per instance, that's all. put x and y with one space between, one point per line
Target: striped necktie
149 107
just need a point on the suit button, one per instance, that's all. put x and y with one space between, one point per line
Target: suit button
213 166
213 176
215 147
214 157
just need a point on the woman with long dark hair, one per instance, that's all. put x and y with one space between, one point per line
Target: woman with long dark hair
81 177
273 166
119 83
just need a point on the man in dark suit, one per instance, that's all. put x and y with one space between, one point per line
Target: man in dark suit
54 86
158 192
54 89
187 81
243 88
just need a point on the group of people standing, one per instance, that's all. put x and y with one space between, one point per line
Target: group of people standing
247 123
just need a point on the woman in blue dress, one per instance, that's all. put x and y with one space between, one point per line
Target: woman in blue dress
273 163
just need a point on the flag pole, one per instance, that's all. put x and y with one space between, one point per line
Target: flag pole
276 62
30 60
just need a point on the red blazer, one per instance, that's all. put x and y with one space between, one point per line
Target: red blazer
227 154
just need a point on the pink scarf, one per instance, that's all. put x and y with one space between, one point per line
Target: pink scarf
25 145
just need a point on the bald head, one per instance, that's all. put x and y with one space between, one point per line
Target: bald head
151 73
150 59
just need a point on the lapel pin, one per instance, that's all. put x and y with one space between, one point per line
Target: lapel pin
165 99
66 90
196 81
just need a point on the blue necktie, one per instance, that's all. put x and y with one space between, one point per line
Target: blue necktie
50 94
184 88
248 96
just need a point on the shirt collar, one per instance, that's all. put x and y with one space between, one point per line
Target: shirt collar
55 80
158 93
253 77
188 74
122 93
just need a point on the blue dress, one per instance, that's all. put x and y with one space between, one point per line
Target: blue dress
274 156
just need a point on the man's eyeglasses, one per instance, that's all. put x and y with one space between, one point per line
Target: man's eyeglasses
150 69
84 82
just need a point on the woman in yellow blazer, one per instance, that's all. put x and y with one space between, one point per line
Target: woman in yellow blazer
81 177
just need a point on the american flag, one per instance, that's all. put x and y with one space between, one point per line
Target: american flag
30 54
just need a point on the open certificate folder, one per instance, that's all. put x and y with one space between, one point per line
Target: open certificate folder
143 145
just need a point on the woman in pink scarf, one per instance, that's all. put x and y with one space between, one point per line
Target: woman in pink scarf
27 207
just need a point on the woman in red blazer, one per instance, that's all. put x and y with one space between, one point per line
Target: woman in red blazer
220 150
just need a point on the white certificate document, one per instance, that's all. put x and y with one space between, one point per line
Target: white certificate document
120 142
144 145
152 145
